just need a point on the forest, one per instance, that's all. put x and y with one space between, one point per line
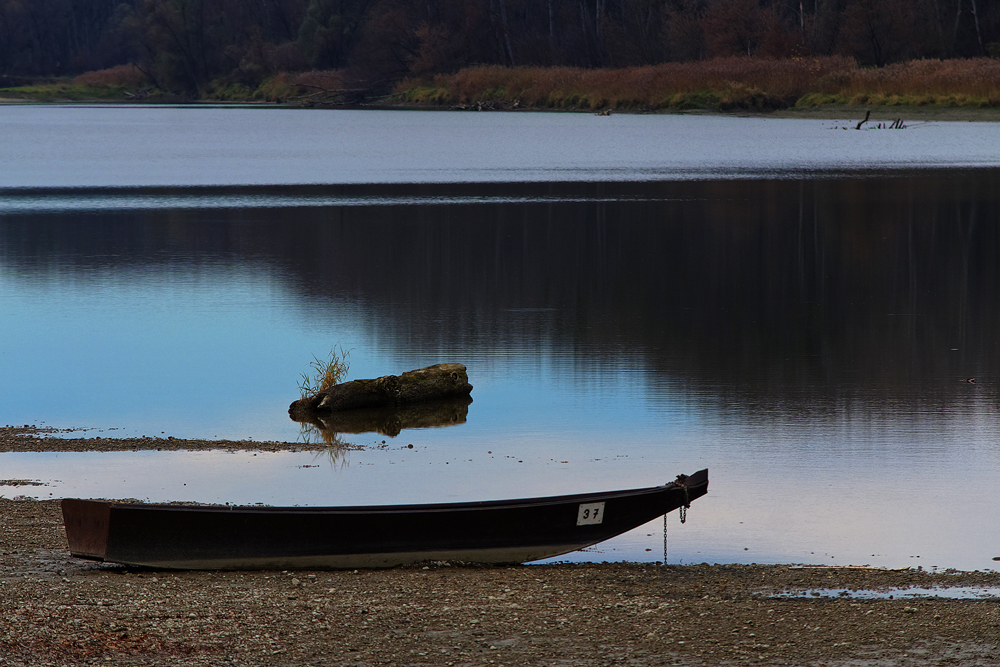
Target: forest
214 48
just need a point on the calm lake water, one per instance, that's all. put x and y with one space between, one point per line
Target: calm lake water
792 305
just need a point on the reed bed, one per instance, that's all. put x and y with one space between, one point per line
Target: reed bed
113 83
122 76
736 83
973 82
286 86
325 80
723 83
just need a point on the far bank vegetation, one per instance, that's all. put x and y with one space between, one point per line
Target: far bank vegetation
557 54
722 84
734 83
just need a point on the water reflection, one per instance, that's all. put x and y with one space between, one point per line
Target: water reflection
804 339
916 592
807 296
389 421
325 431
74 200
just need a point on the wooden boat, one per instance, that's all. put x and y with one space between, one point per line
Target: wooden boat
204 537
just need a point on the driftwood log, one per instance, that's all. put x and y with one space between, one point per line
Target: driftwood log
868 114
424 384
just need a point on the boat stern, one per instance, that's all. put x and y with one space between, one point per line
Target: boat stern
87 523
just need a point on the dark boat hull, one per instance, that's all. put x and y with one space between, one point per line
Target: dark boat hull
503 531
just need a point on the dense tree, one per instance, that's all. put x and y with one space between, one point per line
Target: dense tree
967 35
189 46
59 36
179 42
877 31
745 27
330 31
683 30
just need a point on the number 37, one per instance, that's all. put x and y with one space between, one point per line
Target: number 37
589 514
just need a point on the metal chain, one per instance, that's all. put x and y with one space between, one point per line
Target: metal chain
664 539
683 515
686 505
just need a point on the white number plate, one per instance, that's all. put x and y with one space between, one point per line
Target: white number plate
590 513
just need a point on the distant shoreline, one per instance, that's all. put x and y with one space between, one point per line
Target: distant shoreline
879 113
819 87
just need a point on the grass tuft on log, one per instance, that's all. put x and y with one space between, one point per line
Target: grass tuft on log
326 372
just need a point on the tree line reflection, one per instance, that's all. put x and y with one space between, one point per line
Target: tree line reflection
791 289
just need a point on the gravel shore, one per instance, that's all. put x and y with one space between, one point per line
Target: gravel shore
57 610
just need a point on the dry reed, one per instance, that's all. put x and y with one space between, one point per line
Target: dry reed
943 82
120 76
325 80
738 82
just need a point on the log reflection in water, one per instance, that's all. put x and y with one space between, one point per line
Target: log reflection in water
388 421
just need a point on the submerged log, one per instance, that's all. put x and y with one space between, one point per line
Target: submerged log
424 384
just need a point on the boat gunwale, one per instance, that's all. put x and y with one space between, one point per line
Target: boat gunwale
695 480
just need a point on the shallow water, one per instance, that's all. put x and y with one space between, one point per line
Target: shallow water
802 330
945 592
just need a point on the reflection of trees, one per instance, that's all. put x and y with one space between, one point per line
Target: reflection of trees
748 273
782 285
